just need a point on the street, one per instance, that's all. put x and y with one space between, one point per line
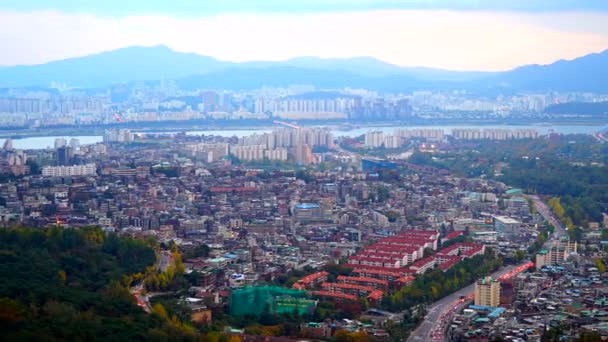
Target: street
435 310
546 213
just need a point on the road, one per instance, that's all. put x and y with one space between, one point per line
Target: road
435 310
164 259
142 300
546 213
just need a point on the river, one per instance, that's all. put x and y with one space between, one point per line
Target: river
33 143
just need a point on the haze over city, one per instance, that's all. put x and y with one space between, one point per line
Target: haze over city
439 34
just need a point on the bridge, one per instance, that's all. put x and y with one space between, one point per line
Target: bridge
601 136
286 124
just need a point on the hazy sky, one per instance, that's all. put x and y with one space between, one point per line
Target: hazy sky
450 34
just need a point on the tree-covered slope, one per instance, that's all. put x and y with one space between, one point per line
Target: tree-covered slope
71 285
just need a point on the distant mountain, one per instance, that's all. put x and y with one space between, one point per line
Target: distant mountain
160 62
587 73
122 65
283 76
373 67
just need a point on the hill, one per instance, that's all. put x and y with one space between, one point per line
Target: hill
585 74
117 66
68 285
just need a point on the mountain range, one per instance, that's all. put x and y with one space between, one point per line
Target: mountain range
192 71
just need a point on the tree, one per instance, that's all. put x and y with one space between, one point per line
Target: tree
519 255
71 284
159 309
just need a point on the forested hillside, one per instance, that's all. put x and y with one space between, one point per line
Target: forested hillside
72 285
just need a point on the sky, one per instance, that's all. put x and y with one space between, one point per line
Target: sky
488 35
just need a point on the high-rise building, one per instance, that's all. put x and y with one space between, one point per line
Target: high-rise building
60 142
74 143
487 292
556 254
374 139
210 100
118 135
258 152
8 144
63 155
209 153
302 154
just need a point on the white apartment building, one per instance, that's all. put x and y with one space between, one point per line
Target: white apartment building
69 171
258 152
494 134
374 139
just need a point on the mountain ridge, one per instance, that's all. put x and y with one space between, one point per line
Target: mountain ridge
139 63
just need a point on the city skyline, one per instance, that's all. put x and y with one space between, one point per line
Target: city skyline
404 33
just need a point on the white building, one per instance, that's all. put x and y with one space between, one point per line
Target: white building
506 224
118 135
68 171
60 142
374 139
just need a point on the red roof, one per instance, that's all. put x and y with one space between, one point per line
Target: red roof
453 235
375 295
347 286
383 255
379 270
429 234
449 263
312 277
406 279
407 239
334 295
472 252
422 262
393 248
370 258
449 249
362 280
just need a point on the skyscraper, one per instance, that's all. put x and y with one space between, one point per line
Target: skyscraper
60 142
63 155
302 154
